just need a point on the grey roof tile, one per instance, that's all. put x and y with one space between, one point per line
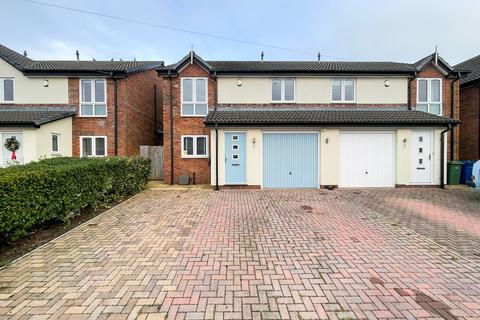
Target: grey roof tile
325 117
28 65
32 117
472 64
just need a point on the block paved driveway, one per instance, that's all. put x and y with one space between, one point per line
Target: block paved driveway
258 254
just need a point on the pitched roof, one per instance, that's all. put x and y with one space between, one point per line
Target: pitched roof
472 64
325 117
27 65
32 117
236 67
309 66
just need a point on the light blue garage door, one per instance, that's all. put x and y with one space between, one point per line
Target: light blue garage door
290 160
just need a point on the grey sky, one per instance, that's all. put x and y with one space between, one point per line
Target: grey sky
401 30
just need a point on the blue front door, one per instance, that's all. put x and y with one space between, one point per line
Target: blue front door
235 161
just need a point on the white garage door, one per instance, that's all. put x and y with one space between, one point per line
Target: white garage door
367 159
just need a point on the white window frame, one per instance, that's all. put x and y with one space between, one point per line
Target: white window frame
58 142
194 96
94 151
342 85
2 90
429 96
282 90
195 137
92 80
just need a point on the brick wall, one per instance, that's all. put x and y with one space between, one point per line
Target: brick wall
470 117
431 71
140 122
184 126
134 112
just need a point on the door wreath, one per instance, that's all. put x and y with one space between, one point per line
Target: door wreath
12 145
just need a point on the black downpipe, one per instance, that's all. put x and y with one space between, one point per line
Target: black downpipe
478 151
155 113
171 128
452 114
409 98
216 157
116 115
442 156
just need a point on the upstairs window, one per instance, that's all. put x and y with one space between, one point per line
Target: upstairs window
343 90
6 90
194 97
283 90
429 96
93 102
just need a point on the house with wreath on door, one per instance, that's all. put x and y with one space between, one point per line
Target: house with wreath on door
310 124
77 107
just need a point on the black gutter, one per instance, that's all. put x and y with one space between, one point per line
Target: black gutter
171 129
442 155
452 114
330 124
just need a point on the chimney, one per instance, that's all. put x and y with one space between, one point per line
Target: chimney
261 56
78 55
319 56
25 53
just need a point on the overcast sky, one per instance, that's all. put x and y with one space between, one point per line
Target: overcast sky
384 30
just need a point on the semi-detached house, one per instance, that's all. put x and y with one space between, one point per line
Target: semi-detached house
77 108
296 124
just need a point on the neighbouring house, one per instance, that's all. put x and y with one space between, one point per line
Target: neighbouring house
78 108
470 110
296 124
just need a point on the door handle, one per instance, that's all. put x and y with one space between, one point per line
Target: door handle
235 164
429 156
290 173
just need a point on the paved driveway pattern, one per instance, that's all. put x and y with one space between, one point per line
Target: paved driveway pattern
243 254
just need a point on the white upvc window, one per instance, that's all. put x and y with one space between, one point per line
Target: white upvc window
93 98
195 146
429 95
6 90
283 90
343 90
93 146
55 143
194 93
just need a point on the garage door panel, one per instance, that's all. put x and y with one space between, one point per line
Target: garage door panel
367 159
290 160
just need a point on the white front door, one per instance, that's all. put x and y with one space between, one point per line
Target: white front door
422 157
367 159
6 154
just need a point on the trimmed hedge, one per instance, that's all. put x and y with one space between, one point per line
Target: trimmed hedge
58 189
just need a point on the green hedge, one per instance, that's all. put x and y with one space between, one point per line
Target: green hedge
58 189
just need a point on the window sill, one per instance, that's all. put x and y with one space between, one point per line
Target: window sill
193 116
343 102
283 102
95 116
194 157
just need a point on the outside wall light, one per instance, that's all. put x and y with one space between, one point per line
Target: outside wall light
254 140
239 82
45 83
387 83
404 142
326 140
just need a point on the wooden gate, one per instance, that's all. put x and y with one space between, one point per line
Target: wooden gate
155 154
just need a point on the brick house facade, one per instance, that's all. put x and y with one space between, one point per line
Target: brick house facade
470 110
133 98
200 169
135 114
430 71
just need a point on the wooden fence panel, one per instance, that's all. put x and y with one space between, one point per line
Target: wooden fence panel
155 154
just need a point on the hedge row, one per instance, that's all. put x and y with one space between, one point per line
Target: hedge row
58 189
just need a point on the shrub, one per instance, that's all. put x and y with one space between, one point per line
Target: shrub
58 189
